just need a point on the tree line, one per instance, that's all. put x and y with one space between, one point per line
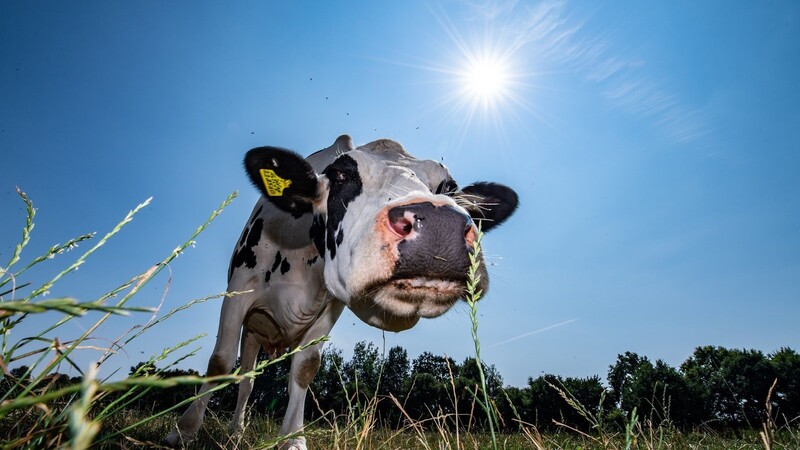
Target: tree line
715 387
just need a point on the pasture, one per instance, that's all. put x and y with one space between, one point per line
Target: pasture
44 409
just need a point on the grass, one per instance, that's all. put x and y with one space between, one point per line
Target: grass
261 430
473 295
40 410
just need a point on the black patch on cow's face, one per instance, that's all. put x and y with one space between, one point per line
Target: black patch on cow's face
245 254
267 276
339 237
312 261
285 266
345 186
317 233
277 262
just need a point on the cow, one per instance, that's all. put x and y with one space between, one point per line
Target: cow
371 228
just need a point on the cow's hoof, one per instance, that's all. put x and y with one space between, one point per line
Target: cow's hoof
175 440
294 444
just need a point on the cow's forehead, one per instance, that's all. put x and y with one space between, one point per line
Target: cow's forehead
385 149
380 157
387 164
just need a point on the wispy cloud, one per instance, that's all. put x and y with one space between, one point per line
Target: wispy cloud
551 33
531 333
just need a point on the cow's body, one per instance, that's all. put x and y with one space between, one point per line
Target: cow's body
309 253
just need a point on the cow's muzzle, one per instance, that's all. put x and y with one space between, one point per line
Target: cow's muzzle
434 242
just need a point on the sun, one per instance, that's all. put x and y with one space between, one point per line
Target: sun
483 79
486 79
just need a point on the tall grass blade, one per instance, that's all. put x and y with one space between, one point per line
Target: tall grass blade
472 297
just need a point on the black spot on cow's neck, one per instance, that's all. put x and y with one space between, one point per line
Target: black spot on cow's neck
254 236
345 186
277 262
317 233
245 233
339 237
245 254
267 276
285 266
258 213
313 260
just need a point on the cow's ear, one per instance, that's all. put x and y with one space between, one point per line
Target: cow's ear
284 177
488 203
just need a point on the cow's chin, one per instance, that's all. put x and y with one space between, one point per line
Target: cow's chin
398 304
423 297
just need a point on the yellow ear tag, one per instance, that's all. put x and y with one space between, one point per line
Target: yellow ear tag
274 184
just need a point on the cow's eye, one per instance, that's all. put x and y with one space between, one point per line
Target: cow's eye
447 187
336 176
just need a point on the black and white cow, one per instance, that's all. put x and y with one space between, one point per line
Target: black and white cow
371 228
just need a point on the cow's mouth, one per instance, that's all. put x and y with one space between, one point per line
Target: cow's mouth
424 286
415 296
419 289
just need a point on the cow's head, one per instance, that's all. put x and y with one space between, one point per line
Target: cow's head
395 231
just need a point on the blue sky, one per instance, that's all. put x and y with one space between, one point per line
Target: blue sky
654 147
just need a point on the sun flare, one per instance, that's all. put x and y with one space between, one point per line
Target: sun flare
486 80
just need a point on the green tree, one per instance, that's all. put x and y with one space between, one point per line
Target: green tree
396 370
621 375
786 363
270 389
435 365
468 371
468 384
327 385
154 400
427 396
512 404
8 380
732 384
658 392
545 406
428 387
363 370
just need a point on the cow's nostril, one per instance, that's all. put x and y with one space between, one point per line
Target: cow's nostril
401 225
469 235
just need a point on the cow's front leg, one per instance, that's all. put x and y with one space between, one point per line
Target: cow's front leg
221 363
304 366
248 355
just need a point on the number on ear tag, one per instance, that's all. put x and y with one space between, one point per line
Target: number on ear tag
274 184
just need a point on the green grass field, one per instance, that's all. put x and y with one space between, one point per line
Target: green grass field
260 432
